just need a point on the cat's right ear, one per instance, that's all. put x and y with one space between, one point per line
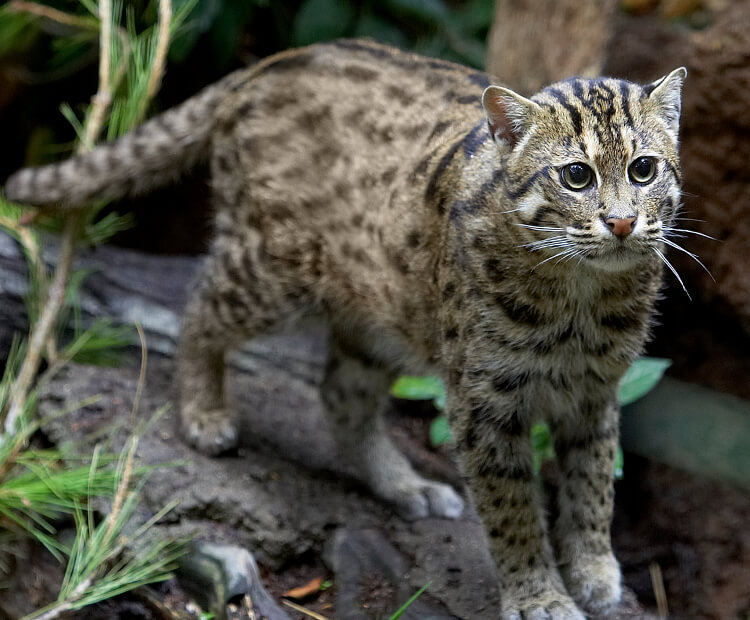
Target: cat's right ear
508 113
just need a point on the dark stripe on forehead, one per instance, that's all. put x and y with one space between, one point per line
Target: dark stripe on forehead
625 98
577 86
575 115
606 92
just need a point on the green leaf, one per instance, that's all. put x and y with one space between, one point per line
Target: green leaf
641 378
440 431
541 445
102 344
619 464
322 20
420 388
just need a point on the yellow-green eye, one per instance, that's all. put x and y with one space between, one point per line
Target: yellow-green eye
577 176
642 170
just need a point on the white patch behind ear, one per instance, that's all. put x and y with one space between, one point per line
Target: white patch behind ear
509 114
667 97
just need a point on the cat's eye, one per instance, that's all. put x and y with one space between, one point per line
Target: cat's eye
577 176
642 170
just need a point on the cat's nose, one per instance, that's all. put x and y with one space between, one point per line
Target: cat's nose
620 226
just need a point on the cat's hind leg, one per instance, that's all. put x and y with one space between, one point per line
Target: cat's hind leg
355 392
236 297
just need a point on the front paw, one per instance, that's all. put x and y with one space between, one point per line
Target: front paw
550 605
210 432
594 582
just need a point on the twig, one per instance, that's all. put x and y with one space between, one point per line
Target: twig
141 375
47 12
304 610
162 47
56 297
660 593
45 324
103 97
123 488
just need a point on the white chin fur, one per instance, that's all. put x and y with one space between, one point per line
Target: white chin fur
615 261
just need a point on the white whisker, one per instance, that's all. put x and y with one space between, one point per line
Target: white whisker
559 254
579 253
689 219
673 270
542 228
556 241
672 244
690 232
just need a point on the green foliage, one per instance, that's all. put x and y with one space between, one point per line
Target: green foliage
39 487
14 31
640 379
453 30
420 388
541 445
456 31
440 431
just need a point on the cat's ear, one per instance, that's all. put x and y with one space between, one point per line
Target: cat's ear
508 113
666 96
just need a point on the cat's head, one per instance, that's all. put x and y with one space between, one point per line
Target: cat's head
592 166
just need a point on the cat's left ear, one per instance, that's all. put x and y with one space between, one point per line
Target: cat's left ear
666 95
508 113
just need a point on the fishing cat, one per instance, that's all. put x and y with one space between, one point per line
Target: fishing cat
512 245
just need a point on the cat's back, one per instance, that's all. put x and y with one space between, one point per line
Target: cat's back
352 113
330 150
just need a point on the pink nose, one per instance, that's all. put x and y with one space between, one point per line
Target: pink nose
620 226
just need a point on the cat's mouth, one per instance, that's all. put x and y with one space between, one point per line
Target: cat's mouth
618 255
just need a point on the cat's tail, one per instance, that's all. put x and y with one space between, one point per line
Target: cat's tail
151 155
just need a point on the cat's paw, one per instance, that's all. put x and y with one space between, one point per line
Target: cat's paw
211 432
594 581
423 498
547 606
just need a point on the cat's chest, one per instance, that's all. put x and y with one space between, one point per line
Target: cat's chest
571 330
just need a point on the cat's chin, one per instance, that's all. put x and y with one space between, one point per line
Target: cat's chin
614 262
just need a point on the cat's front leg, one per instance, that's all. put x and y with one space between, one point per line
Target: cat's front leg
493 439
586 445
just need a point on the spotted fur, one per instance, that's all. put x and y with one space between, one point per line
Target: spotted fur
431 223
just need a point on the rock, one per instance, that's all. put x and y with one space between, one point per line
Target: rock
220 573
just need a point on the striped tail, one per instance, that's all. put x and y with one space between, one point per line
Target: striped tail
151 155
